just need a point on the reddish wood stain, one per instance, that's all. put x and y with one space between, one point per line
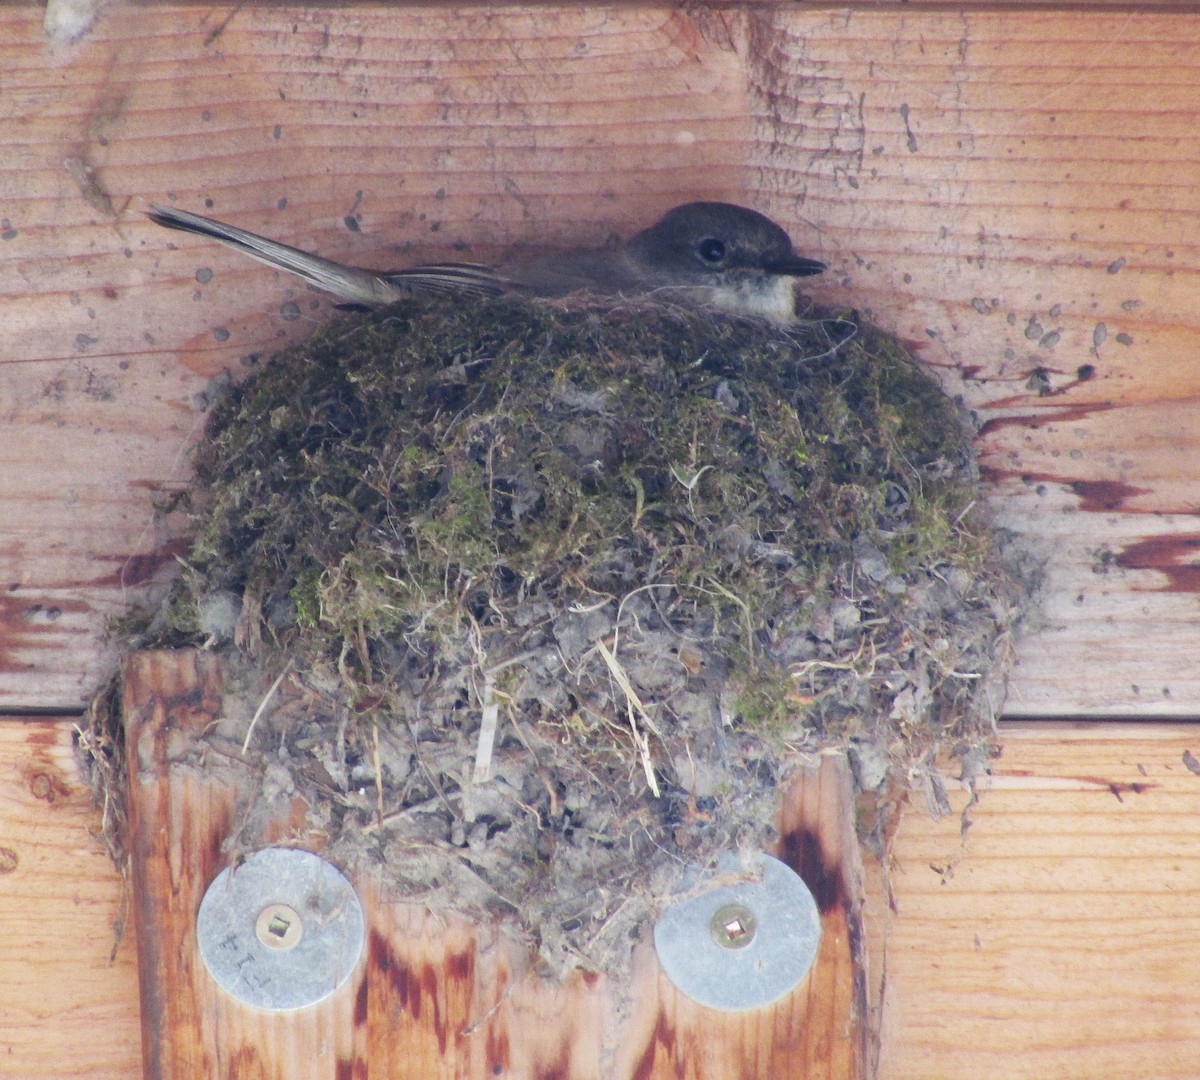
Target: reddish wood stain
1173 556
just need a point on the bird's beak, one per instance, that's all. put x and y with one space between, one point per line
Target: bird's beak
794 266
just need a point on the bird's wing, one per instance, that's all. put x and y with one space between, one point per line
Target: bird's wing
475 279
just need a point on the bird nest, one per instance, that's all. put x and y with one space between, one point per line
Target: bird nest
535 603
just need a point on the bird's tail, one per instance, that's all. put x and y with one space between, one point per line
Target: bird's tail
350 283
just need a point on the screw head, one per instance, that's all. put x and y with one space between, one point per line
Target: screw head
733 926
279 927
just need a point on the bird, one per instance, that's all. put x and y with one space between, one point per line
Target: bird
707 254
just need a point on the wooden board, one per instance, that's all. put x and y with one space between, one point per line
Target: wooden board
68 987
1054 938
1000 187
435 997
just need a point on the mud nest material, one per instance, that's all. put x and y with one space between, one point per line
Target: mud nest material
560 592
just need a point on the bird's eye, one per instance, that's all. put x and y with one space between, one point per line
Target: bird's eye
712 250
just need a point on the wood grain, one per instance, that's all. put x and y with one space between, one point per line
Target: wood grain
1053 938
822 1030
982 191
68 985
180 817
1002 188
438 997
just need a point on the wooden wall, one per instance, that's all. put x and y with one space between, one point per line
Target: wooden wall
1053 939
1007 189
1010 189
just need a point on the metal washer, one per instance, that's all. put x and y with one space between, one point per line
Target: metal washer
292 976
785 933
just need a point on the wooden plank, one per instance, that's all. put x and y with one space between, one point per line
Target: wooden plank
823 1030
68 988
179 819
452 123
438 997
1053 941
971 177
1054 937
983 195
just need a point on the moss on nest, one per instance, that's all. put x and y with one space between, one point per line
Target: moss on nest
661 552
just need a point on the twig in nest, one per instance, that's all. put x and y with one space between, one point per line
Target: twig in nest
487 735
629 596
633 702
749 622
378 770
262 705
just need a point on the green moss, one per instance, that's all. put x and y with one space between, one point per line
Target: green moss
640 537
427 474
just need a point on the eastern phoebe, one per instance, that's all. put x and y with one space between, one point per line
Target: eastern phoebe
703 253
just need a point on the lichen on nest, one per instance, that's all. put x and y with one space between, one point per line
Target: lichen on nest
561 591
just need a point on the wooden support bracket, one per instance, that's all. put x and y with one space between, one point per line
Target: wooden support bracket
434 998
